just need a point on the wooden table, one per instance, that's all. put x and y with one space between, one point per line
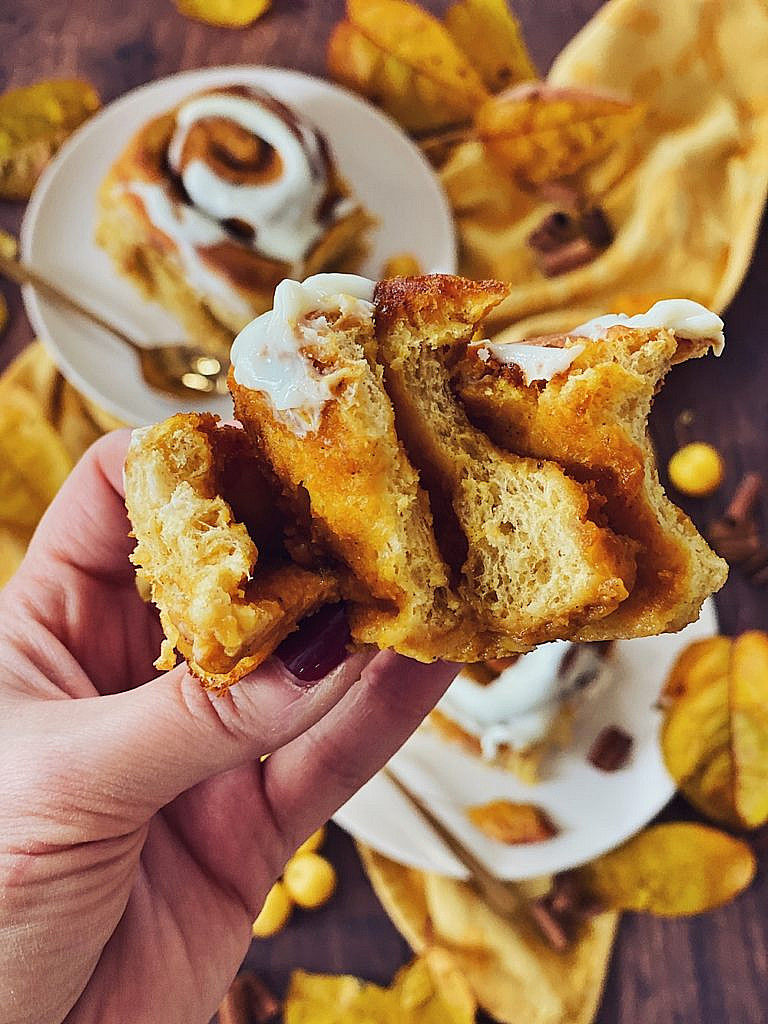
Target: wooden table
713 968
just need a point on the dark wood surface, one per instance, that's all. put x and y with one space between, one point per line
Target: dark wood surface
713 968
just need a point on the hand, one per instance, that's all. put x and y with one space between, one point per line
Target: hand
139 833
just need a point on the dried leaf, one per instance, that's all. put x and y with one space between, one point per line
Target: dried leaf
749 725
542 133
34 121
227 13
672 870
403 59
512 823
490 35
715 733
451 983
413 998
513 973
699 664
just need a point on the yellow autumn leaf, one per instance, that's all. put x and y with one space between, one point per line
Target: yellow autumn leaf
512 823
490 35
33 462
542 133
226 13
34 121
698 665
672 870
715 733
749 725
413 998
403 59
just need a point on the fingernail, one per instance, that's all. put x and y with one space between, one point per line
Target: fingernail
318 645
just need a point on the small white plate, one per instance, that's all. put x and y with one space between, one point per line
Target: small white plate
385 169
595 810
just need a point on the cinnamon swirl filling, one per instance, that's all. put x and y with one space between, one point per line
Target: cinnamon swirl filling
241 188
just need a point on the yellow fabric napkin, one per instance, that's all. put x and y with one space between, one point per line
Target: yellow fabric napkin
685 195
514 975
45 426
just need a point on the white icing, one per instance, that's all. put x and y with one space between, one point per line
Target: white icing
188 229
537 362
685 317
519 706
267 355
283 212
137 437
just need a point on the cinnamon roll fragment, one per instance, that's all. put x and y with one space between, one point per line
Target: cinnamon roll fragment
583 399
210 549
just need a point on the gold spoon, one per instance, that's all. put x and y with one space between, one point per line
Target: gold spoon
173 369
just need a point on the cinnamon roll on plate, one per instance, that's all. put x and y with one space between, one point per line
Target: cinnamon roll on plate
515 712
212 204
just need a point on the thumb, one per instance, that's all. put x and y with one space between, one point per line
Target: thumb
141 748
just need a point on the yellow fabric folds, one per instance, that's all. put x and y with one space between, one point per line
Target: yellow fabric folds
514 975
685 196
45 426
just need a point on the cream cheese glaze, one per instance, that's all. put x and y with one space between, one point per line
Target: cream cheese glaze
268 356
685 317
283 213
537 362
519 706
190 231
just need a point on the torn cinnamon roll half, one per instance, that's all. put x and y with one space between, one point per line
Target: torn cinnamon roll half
211 205
446 545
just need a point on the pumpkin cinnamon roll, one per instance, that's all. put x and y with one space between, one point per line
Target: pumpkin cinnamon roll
211 205
463 498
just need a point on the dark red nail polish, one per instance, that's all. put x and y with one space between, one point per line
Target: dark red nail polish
318 645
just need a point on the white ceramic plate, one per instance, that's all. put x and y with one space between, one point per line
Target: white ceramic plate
386 171
595 810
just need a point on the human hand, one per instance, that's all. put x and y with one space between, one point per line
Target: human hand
139 833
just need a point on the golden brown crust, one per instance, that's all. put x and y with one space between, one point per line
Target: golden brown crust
435 299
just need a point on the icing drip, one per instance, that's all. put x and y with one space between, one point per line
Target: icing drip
269 355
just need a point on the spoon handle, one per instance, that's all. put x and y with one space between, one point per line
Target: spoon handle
506 898
22 274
